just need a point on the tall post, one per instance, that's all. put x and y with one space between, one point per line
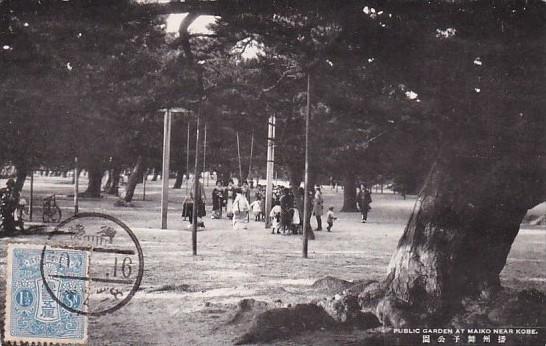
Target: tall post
270 168
165 173
144 176
205 154
76 183
188 160
251 152
195 187
31 204
306 179
239 156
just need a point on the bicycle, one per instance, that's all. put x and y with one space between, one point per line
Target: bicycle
51 211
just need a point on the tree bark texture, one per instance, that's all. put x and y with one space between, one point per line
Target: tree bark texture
179 179
22 172
458 237
134 179
95 174
115 173
349 192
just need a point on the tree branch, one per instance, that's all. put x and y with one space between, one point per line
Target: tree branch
288 73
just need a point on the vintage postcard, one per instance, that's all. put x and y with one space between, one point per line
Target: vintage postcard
277 172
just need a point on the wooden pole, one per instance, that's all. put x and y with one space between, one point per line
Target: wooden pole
251 152
165 172
31 203
239 156
195 187
188 160
306 179
205 154
76 183
144 176
270 168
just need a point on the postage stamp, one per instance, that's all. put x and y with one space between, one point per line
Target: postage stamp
32 314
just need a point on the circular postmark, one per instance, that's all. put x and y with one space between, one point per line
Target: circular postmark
114 264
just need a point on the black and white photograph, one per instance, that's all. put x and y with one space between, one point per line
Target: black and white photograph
273 172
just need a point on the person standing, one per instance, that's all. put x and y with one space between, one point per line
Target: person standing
9 198
229 196
257 209
299 201
240 210
363 200
199 201
217 201
318 207
287 203
187 208
275 216
246 190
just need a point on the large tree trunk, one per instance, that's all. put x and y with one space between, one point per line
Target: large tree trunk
349 192
115 173
179 179
458 238
22 172
134 179
95 174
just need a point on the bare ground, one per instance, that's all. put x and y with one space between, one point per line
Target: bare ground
187 300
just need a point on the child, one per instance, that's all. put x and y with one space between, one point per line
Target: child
330 217
256 208
275 216
187 208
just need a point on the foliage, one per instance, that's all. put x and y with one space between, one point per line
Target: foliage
393 85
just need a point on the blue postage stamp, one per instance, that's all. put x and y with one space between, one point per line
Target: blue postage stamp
32 313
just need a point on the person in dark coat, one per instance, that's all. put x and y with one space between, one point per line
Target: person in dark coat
299 199
287 203
229 197
217 200
246 190
199 201
9 198
363 200
187 208
318 207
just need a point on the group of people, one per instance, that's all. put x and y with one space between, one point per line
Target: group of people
287 208
288 211
235 200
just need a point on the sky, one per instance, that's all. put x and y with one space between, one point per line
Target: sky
201 26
